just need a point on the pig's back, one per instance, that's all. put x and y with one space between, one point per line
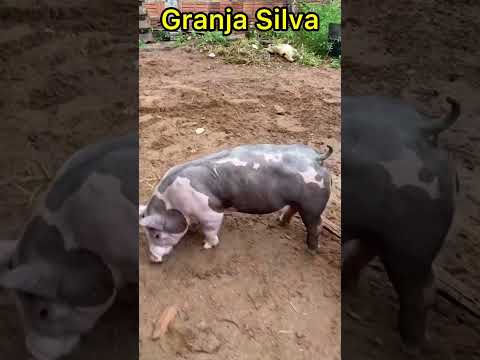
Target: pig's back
259 178
295 157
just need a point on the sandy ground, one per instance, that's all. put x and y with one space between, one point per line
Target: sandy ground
418 65
62 87
259 295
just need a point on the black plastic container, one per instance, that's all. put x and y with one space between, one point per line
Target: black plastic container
335 39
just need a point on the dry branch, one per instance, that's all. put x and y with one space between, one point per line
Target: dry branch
457 292
332 228
451 290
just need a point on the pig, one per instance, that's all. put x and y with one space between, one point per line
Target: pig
398 201
253 179
78 249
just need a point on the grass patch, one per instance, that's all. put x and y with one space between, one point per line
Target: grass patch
244 51
336 62
213 38
182 39
313 46
317 41
309 58
161 35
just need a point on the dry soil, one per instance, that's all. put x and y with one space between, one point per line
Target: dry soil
259 295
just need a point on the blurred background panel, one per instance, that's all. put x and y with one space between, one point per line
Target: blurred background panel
69 79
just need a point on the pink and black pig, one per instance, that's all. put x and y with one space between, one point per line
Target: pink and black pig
398 201
252 179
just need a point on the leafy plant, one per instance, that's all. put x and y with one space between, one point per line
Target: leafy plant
317 41
312 46
309 58
336 62
181 39
213 38
161 35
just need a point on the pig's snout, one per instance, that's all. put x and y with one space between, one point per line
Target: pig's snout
46 348
158 252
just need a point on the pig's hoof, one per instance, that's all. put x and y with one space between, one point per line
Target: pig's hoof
207 245
210 243
155 259
313 252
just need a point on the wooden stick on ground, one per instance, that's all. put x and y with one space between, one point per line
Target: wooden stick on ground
332 228
457 292
161 326
450 289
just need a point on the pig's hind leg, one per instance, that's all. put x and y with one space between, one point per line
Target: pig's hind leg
311 208
415 286
356 254
313 223
286 215
311 211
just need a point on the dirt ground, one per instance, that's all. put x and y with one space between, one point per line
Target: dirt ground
259 295
62 88
419 65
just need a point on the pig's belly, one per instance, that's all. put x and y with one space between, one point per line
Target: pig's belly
261 191
255 200
255 208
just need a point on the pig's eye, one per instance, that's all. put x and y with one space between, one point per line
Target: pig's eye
43 314
157 236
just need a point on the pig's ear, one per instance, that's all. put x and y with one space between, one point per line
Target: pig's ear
175 222
86 280
153 221
141 210
36 278
7 250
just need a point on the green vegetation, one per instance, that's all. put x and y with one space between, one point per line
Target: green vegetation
313 46
336 62
243 51
317 41
213 38
161 35
308 57
182 39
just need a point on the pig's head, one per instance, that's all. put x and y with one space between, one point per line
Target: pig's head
163 228
60 294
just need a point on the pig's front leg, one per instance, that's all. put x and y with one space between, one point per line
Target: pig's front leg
210 228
